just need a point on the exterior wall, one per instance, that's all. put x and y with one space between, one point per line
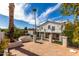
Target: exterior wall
57 28
30 32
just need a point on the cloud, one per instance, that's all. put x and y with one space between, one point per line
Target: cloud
19 12
3 27
55 18
4 9
48 11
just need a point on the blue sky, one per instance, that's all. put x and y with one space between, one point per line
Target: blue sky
24 17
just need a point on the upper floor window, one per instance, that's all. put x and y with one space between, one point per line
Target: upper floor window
41 27
48 26
53 28
61 28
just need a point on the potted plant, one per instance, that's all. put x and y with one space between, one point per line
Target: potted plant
3 46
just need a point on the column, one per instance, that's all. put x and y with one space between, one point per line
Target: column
34 38
50 37
64 41
60 39
41 37
44 35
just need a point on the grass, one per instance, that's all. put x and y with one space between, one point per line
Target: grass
58 42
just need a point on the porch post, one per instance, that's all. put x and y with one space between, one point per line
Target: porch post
50 37
64 41
41 37
60 39
44 35
34 38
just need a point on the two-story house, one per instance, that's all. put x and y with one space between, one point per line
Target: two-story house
47 28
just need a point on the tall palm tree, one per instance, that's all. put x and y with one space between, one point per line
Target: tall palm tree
11 20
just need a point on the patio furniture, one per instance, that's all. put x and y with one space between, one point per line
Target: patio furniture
25 38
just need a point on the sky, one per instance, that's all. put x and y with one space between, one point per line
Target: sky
23 15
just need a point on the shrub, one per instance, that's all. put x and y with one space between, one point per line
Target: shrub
3 45
18 33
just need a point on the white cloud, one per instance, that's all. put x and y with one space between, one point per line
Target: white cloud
19 12
56 17
4 9
48 11
3 27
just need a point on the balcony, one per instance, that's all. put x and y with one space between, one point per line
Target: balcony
49 30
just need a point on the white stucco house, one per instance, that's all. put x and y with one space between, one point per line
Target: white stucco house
51 30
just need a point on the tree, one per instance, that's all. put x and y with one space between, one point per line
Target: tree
25 30
75 39
68 31
3 45
11 21
69 9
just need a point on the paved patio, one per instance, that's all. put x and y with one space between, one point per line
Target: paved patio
45 49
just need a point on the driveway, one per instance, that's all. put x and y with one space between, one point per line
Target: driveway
45 49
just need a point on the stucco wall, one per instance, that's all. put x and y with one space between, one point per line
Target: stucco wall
57 27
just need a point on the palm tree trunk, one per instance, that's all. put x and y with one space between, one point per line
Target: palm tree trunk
11 21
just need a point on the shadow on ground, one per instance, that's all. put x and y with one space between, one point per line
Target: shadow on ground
26 52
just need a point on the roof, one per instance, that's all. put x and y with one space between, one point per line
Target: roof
52 22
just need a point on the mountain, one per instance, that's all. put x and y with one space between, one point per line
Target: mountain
4 22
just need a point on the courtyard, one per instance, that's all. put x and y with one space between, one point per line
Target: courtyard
44 49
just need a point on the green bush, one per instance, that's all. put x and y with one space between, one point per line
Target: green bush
3 45
18 33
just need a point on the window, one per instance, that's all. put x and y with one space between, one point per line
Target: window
48 26
61 27
53 28
41 27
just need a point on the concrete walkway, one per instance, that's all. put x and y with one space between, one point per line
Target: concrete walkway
45 49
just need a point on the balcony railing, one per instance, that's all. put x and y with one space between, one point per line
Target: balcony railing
48 30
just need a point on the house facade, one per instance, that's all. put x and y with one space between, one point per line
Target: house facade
51 30
30 31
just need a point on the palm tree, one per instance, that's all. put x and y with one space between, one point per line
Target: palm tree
11 21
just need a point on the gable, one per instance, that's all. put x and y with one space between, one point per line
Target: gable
50 22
